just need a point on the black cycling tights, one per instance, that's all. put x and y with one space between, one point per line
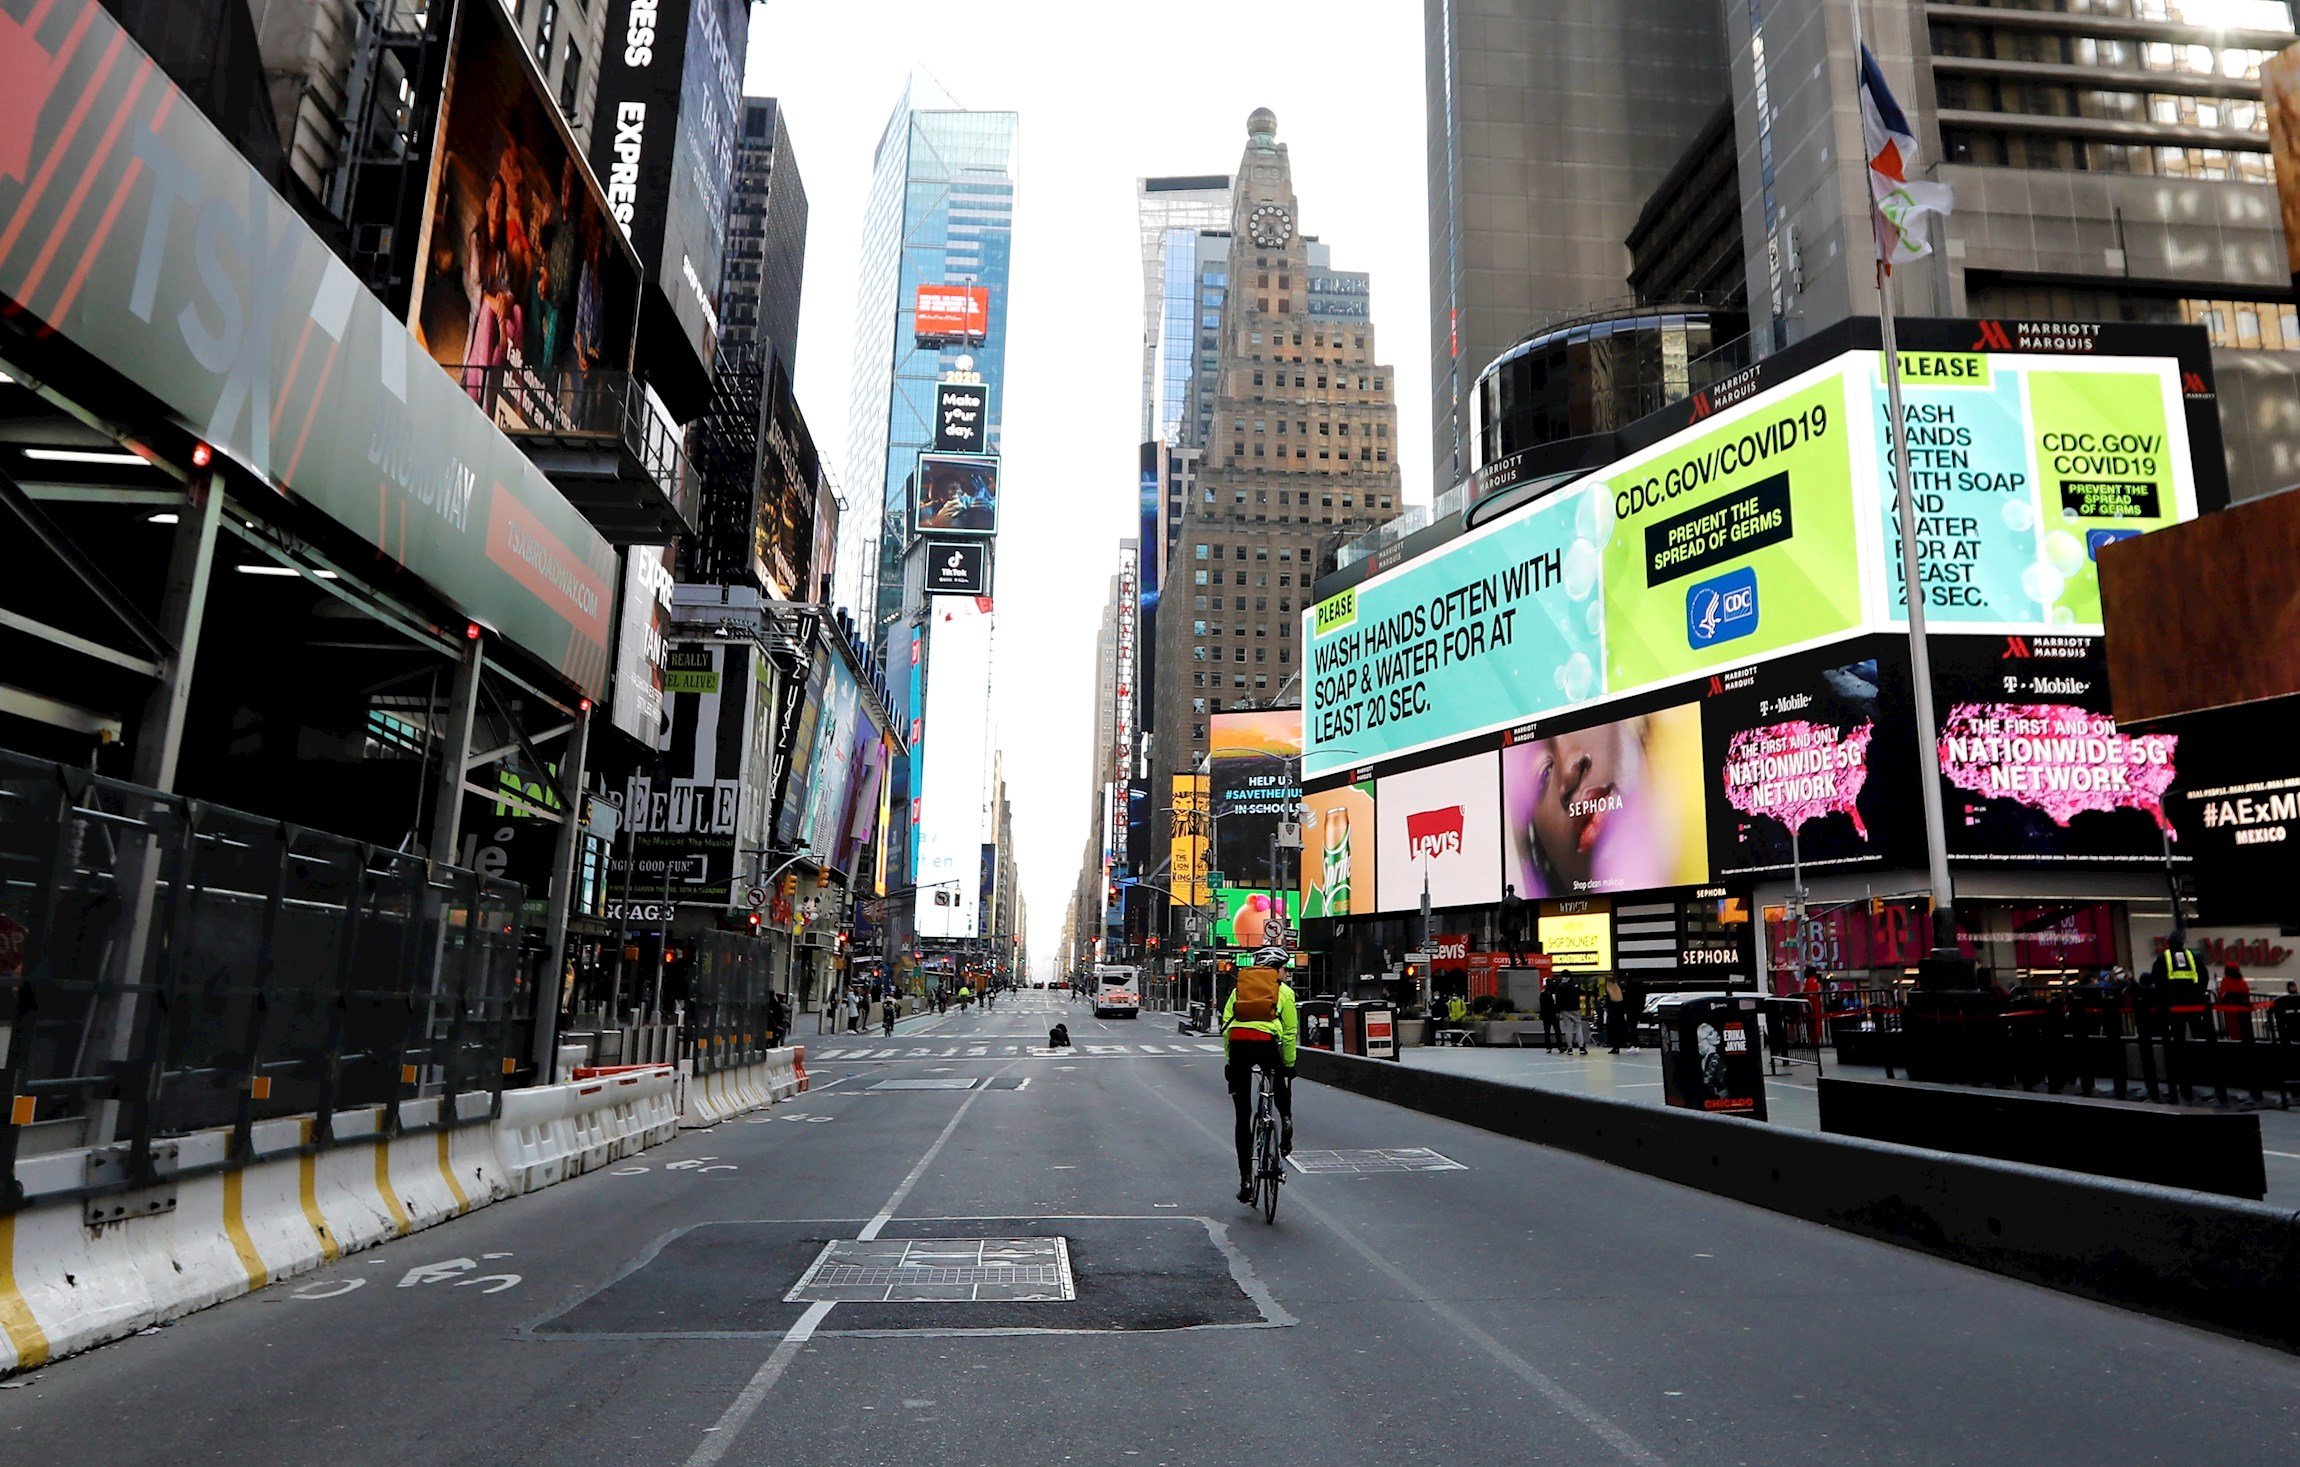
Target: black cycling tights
1240 1073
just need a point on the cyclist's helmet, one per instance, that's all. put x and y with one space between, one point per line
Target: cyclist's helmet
1272 957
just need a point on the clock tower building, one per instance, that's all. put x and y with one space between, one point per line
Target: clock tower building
1299 457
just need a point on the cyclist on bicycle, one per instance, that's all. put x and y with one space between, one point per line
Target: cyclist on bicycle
1261 1029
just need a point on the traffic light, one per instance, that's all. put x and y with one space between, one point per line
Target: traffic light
754 921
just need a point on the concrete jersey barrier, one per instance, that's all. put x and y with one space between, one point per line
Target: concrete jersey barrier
724 1094
2220 1263
66 1286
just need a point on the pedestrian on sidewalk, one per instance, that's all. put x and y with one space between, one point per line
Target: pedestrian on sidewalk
854 1011
2236 1003
1616 1010
1552 1033
886 1014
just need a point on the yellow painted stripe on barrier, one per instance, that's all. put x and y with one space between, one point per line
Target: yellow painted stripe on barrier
16 1321
447 1175
307 1188
236 1228
384 1188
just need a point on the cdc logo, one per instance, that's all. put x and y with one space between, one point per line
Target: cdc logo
1722 608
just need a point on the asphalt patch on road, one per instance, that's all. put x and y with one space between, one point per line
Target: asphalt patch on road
728 1280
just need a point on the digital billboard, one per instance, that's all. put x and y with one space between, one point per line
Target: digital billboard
636 703
1613 807
663 143
951 312
1762 530
2242 826
1576 936
957 567
1252 765
2032 764
953 764
212 294
1186 846
957 494
961 417
685 817
1338 852
1249 918
1441 824
521 266
1816 745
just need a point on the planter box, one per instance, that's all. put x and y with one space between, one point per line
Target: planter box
1501 1031
1410 1031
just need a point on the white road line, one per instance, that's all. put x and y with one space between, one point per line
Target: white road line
1596 1422
1025 1084
718 1438
2287 1155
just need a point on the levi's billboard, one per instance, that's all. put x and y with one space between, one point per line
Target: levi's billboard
143 238
1761 531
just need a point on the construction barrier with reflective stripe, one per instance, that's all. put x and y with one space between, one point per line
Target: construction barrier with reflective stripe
724 1094
67 1285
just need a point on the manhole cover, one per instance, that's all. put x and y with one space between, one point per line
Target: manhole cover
924 1085
1408 1159
944 1270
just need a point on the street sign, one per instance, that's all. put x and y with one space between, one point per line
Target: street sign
757 898
1289 835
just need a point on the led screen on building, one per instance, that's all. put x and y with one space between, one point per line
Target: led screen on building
1577 936
2032 765
957 494
1612 807
1250 918
522 274
1440 825
1338 852
1817 745
1186 847
951 313
1252 767
1760 531
953 768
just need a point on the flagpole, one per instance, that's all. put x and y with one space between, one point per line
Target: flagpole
1944 924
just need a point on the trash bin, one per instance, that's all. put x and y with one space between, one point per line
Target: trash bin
1317 1016
1713 1054
1368 1028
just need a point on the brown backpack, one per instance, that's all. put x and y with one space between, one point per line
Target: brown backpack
1256 999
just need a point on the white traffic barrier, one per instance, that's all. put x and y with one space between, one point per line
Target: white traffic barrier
723 1094
66 1285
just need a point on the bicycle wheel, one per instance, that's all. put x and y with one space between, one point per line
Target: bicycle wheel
1268 1165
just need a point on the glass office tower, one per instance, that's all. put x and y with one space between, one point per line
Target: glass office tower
941 212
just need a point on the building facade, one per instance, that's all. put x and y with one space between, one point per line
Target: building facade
1299 457
1549 124
766 257
940 212
2109 160
1173 211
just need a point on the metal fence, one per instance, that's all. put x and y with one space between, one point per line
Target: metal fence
168 966
732 1014
595 404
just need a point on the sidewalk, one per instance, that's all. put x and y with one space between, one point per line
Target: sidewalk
1634 1075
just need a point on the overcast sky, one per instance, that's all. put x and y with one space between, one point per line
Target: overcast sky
1107 94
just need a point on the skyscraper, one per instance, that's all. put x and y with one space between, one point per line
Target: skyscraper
1172 211
940 212
1549 124
1298 458
766 253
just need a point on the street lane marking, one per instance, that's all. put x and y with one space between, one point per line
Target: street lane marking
1598 1424
718 1438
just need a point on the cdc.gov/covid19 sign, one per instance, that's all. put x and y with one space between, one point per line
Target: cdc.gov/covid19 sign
1765 530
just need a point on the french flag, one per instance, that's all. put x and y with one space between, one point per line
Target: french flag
1898 206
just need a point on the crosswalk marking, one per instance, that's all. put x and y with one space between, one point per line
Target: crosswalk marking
983 1051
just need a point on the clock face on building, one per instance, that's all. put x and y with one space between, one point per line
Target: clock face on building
1270 225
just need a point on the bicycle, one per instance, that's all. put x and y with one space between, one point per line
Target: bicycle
1269 1162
